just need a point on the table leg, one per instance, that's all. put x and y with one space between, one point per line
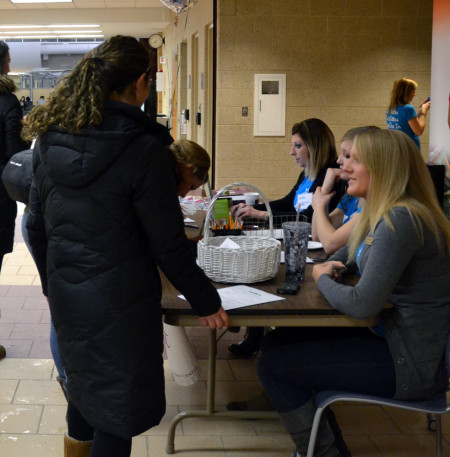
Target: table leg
210 401
211 390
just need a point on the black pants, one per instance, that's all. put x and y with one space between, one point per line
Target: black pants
103 444
297 362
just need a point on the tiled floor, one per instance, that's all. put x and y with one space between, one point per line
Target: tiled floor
32 407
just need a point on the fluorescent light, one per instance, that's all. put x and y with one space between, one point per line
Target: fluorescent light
51 26
21 32
41 1
38 37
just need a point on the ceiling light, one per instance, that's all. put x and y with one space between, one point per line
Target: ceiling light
22 32
41 1
51 26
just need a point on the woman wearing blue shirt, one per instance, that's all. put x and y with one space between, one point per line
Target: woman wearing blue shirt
401 115
333 229
314 150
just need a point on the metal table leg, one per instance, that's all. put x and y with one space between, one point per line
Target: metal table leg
210 401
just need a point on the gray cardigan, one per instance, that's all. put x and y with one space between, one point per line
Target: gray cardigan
413 279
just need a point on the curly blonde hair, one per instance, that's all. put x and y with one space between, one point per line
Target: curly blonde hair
77 102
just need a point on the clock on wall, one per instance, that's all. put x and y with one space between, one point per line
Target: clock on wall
155 41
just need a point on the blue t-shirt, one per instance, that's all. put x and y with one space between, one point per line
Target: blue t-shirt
349 205
303 188
398 119
378 329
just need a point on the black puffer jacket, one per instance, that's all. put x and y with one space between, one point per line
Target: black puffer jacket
10 143
104 213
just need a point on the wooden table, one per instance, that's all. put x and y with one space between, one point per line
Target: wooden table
306 309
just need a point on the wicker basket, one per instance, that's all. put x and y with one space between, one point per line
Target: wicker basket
257 260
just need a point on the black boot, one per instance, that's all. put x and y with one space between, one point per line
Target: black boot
2 352
249 346
298 424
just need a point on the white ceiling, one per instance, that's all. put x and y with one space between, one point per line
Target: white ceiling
138 18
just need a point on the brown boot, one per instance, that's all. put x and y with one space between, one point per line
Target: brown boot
75 448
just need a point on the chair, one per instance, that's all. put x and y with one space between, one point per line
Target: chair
437 407
437 173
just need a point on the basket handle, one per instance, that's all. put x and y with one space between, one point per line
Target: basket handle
221 192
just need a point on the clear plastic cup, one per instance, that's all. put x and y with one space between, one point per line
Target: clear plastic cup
295 235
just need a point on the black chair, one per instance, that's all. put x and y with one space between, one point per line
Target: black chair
437 173
437 407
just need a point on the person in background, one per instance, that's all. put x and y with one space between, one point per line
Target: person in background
401 115
41 100
314 150
22 104
333 229
401 246
104 215
10 143
28 106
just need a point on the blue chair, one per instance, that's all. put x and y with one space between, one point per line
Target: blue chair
436 407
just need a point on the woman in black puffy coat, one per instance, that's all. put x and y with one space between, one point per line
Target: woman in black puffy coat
104 214
10 143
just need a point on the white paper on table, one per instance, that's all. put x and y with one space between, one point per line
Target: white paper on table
308 260
240 296
229 244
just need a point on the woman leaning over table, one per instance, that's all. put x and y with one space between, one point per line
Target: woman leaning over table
401 246
314 150
333 229
104 214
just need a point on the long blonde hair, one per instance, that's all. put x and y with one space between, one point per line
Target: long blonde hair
401 93
398 177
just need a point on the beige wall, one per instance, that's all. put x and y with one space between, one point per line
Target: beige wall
192 22
341 58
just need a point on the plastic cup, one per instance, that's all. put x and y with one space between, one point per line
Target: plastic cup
295 235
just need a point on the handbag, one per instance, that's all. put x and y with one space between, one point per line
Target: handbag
17 175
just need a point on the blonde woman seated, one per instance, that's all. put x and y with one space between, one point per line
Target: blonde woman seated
333 229
401 246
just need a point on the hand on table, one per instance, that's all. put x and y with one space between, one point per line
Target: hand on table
242 210
217 320
334 269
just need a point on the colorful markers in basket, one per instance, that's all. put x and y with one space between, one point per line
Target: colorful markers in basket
226 223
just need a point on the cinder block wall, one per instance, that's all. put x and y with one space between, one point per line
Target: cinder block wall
340 58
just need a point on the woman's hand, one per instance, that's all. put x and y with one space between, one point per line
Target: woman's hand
321 200
242 210
334 269
424 107
217 320
331 178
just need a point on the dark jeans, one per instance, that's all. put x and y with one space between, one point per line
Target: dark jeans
296 362
103 443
